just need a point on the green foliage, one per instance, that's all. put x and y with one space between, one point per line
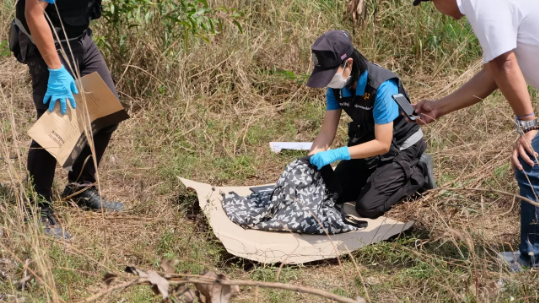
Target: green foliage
417 36
287 274
177 20
4 49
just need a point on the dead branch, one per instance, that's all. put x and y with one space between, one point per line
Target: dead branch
491 190
25 277
139 281
211 281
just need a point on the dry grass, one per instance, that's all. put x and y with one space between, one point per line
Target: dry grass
208 114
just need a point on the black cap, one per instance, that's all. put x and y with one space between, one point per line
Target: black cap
417 2
329 52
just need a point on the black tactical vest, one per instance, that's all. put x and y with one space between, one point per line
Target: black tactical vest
75 15
360 109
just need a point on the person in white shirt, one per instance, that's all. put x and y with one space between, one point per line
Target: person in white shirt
508 31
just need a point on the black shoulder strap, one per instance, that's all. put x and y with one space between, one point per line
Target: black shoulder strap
337 94
403 91
351 218
355 222
379 75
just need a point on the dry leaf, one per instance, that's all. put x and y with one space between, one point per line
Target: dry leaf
216 293
184 294
487 291
22 282
373 281
159 284
25 276
360 300
109 277
189 296
136 271
354 8
131 270
168 267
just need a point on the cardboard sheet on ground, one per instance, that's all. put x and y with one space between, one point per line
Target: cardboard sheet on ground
288 248
63 135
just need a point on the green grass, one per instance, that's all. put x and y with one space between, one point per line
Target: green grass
208 112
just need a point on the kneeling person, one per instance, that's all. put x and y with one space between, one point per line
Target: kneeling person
385 156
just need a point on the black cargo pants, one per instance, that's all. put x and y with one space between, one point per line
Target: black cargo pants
376 190
41 164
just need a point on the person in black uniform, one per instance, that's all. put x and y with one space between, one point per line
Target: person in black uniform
385 159
53 83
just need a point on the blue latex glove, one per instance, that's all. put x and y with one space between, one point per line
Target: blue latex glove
50 1
324 158
61 86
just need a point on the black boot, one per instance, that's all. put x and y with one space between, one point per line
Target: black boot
428 170
46 218
50 224
89 198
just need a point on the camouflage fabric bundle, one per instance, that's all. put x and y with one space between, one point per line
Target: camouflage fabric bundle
301 196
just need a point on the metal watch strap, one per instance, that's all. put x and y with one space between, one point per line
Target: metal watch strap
524 126
532 128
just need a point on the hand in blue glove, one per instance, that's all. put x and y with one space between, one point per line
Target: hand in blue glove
60 87
324 158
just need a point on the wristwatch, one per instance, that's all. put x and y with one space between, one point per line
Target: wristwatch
525 126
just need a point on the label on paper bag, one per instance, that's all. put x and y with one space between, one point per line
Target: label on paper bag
63 136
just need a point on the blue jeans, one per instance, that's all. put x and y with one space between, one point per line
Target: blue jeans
528 182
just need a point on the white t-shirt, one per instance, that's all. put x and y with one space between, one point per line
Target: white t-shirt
505 25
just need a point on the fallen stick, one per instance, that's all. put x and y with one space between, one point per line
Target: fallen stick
139 281
25 276
490 190
300 289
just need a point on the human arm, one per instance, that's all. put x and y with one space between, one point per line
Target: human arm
379 146
41 32
497 25
385 111
510 80
473 91
502 72
61 84
497 31
325 137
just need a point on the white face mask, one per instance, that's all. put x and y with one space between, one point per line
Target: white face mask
338 82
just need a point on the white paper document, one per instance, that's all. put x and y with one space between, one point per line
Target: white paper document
276 147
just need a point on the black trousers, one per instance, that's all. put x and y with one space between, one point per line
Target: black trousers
377 190
41 164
